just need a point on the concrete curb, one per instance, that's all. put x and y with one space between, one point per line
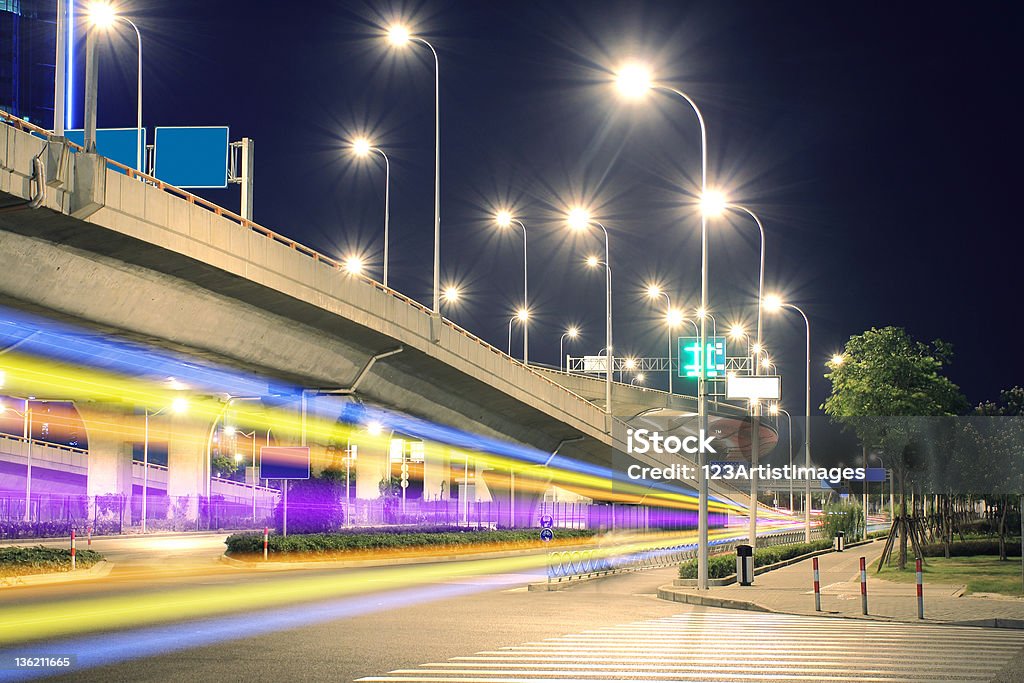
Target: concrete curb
279 565
97 571
669 593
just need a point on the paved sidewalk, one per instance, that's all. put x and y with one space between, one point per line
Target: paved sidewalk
790 590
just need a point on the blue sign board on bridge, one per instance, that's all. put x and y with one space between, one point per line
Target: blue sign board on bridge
192 156
118 144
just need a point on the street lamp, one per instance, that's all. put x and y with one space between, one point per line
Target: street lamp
504 219
178 405
775 410
634 82
714 204
400 36
571 333
774 303
579 220
639 378
523 316
102 15
655 292
362 148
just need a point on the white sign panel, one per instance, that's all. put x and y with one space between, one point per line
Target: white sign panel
757 388
595 364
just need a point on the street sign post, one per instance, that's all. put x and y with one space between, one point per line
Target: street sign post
546 521
284 463
546 535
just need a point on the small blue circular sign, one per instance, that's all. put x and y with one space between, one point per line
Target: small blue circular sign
547 521
546 535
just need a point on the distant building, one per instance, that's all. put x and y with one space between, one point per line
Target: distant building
27 53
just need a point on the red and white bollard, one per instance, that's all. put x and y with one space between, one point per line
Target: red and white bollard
920 591
863 587
817 586
266 536
72 550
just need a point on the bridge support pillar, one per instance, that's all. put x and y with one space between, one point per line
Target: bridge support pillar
187 468
111 430
519 493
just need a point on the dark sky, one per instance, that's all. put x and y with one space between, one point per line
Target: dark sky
874 139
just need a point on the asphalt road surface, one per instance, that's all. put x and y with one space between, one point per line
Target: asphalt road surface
485 628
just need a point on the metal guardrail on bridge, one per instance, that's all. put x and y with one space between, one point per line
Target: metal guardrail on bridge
568 565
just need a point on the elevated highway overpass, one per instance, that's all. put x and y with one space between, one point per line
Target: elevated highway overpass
87 241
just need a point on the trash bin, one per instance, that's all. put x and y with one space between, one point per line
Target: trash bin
840 541
745 565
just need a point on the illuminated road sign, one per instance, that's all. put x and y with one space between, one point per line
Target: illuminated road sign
690 357
280 462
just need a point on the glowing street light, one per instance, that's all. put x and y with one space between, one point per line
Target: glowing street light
362 148
838 359
774 303
712 203
633 81
452 294
571 333
102 15
639 378
579 220
504 219
354 265
400 36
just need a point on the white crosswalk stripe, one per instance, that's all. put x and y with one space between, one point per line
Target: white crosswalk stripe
736 647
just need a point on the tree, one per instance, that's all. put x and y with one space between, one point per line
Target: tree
886 378
1002 448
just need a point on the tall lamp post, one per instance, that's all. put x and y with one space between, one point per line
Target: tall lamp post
504 219
400 36
571 333
102 15
634 82
774 303
362 148
178 405
232 431
579 220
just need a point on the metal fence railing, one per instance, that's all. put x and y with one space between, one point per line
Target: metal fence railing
571 565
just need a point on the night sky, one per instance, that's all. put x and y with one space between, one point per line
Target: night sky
873 139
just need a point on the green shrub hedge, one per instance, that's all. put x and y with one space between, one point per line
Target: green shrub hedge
721 566
19 560
357 540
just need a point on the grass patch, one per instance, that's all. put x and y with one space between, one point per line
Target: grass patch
22 561
369 542
980 573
